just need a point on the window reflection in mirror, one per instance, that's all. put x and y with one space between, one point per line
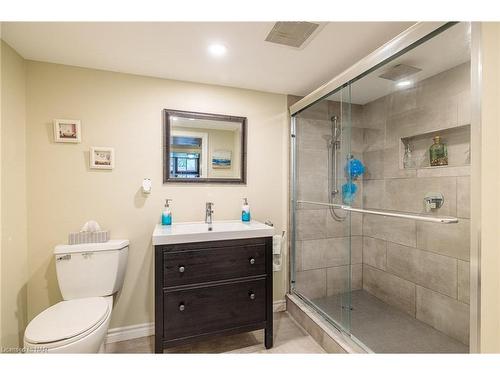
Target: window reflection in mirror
204 147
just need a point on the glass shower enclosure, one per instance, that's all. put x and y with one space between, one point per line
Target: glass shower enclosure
380 235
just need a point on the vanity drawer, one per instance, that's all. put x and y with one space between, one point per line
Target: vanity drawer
187 312
200 265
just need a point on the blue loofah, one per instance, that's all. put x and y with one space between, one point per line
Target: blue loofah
355 168
349 192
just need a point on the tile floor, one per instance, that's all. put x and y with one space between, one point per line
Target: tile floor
288 338
384 329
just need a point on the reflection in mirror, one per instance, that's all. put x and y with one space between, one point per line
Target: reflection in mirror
201 147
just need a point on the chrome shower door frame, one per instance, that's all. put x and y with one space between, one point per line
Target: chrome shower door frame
409 39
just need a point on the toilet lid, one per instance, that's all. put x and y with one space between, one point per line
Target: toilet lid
67 319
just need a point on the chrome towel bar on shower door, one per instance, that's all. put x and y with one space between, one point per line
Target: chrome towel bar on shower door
431 219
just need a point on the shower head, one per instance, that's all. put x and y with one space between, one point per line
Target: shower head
399 71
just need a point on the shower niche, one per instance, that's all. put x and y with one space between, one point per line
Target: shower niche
457 141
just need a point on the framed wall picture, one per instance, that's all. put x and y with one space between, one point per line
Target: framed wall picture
102 158
221 159
67 131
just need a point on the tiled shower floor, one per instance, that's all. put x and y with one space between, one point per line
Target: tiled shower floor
384 329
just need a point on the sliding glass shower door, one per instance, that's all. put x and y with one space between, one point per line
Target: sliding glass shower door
323 274
381 199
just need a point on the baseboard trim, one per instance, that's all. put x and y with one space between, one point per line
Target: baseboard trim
130 332
148 329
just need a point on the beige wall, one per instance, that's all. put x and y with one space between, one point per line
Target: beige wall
14 265
124 112
485 190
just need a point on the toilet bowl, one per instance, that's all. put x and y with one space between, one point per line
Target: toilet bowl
88 276
75 326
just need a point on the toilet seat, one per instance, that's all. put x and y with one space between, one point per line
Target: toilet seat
67 321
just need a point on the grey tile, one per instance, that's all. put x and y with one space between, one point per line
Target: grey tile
464 281
463 197
393 164
389 288
373 193
311 283
434 271
374 139
447 239
356 276
356 249
403 101
374 165
324 253
318 111
337 280
298 255
448 171
446 314
375 113
464 108
311 224
311 132
407 194
396 230
403 261
374 252
439 114
345 228
438 273
312 176
384 329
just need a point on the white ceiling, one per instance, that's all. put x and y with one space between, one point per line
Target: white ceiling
178 50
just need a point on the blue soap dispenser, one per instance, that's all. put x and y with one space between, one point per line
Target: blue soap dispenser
166 215
245 210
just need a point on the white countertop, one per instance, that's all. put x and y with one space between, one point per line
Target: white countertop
198 231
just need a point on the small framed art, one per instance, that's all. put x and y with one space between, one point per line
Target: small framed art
67 131
102 158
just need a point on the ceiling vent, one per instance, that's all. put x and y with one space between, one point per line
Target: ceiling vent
399 71
292 34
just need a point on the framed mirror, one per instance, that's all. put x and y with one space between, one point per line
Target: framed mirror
204 147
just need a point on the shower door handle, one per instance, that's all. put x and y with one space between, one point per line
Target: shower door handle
432 219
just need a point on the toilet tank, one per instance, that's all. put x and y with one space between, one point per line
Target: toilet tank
91 269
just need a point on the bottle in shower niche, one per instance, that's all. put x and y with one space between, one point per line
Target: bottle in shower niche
438 154
408 161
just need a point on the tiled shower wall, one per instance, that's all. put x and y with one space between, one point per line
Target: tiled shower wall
322 243
422 268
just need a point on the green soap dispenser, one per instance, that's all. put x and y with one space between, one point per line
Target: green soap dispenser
166 215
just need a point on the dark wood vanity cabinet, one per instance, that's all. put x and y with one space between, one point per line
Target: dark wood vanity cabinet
215 288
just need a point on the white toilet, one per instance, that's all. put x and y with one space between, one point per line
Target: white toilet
88 276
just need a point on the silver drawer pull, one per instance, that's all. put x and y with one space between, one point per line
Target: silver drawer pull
252 261
251 295
181 269
182 307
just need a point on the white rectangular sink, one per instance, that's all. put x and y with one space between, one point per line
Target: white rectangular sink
199 232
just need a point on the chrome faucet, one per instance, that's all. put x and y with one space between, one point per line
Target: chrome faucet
208 214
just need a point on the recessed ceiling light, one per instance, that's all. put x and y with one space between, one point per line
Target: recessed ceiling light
217 50
404 83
